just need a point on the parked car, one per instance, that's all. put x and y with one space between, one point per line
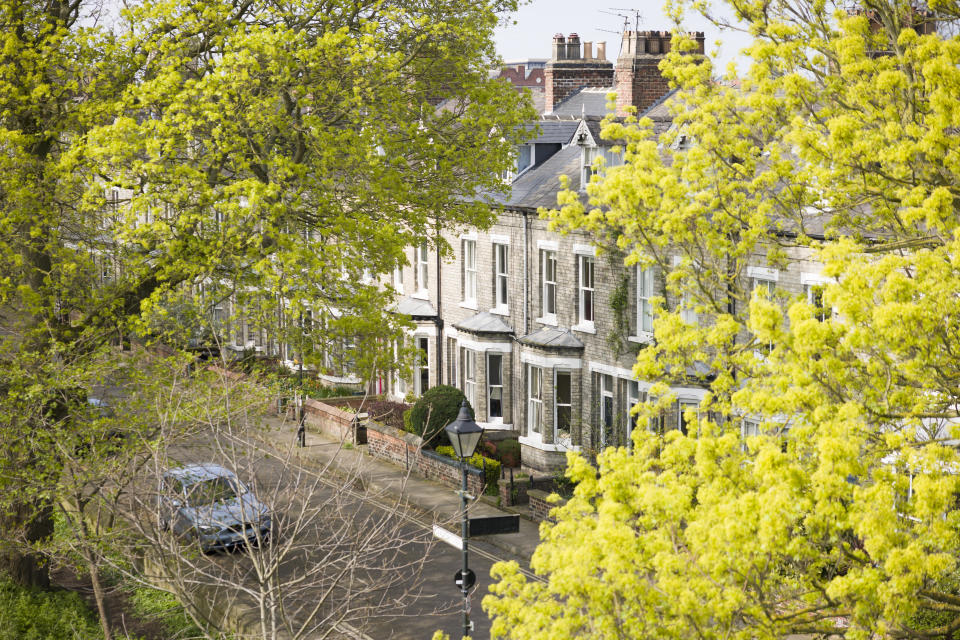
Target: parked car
208 503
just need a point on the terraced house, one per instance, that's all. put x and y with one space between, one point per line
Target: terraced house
541 329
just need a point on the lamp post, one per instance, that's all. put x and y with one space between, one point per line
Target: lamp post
464 435
301 428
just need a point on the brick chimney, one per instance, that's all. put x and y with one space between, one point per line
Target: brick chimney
566 72
638 78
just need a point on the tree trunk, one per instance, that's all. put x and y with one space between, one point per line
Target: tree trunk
98 596
30 524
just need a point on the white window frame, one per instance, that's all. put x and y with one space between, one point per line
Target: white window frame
501 278
557 405
682 406
398 279
454 363
687 313
645 291
400 383
534 400
548 287
586 291
633 397
491 387
422 364
606 384
470 376
469 282
809 293
421 271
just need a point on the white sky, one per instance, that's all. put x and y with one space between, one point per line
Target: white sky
537 21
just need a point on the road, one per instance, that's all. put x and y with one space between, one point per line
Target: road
420 596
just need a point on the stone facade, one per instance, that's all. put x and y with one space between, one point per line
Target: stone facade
566 325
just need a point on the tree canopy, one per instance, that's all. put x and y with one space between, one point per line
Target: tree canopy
839 518
158 160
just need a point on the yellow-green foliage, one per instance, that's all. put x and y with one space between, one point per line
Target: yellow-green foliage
841 141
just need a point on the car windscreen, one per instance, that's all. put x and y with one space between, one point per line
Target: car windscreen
210 491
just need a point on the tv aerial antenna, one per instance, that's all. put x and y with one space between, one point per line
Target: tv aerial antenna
626 14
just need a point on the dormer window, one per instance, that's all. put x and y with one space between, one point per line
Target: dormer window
524 157
590 154
524 160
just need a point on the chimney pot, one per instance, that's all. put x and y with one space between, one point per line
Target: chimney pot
573 47
559 47
587 50
601 51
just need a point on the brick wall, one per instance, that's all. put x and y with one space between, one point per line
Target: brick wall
334 422
539 507
564 78
406 450
638 79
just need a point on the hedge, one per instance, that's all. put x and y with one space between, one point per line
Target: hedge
488 465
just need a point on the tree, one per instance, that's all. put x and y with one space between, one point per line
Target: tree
332 560
839 519
163 160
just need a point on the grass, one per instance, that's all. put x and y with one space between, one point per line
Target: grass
35 614
163 606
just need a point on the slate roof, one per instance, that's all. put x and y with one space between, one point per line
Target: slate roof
590 101
553 338
538 187
414 307
553 130
484 322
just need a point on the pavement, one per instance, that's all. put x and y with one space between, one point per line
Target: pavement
435 501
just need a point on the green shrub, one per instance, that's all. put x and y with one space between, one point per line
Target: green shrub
506 451
510 452
488 465
32 614
441 404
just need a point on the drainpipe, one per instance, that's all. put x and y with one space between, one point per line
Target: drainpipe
526 277
438 320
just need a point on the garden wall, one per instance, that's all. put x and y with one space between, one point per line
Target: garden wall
406 450
539 507
334 422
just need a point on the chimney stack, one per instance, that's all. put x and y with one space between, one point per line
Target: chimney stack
567 72
639 81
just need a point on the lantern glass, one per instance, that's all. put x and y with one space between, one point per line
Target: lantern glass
464 433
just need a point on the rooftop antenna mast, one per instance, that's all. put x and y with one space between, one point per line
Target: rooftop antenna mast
626 15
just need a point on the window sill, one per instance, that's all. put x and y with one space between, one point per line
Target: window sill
347 379
496 426
585 327
500 311
469 304
644 337
548 320
422 294
537 443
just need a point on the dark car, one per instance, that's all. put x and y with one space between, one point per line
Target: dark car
209 503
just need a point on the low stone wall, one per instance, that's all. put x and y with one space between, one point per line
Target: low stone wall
539 507
514 492
406 450
334 422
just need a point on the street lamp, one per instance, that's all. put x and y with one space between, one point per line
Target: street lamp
464 435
